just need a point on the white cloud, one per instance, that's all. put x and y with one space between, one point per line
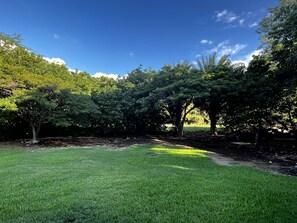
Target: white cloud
221 14
253 25
131 54
74 70
247 58
7 46
224 48
58 61
231 19
56 36
205 41
236 48
225 16
194 62
113 76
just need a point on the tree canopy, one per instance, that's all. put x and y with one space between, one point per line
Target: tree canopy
36 93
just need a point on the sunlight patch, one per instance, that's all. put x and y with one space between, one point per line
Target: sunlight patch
178 151
180 167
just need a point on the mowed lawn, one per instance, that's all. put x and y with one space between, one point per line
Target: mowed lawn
139 184
200 128
192 128
196 128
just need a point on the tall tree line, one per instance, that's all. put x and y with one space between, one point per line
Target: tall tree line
38 97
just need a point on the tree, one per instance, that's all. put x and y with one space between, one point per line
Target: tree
174 93
253 98
24 73
265 95
127 110
216 80
110 106
285 111
75 112
35 107
279 35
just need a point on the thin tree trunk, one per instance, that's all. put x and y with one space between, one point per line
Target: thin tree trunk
292 122
178 117
213 123
258 133
34 133
256 136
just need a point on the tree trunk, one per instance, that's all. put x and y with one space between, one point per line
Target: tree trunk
179 129
295 134
213 123
176 117
258 134
34 133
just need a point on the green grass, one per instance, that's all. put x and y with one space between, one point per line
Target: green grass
191 127
140 184
196 128
199 128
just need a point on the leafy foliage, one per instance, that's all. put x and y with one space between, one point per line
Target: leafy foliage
174 93
259 97
265 96
217 81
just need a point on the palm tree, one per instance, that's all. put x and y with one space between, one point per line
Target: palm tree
208 63
214 75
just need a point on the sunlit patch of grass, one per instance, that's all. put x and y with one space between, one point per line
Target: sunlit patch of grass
196 128
179 151
179 167
200 128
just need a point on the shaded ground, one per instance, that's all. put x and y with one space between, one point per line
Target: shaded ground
275 156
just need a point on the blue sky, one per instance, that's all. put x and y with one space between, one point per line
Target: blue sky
115 36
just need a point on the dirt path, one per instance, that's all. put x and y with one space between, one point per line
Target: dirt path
275 160
226 159
221 160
